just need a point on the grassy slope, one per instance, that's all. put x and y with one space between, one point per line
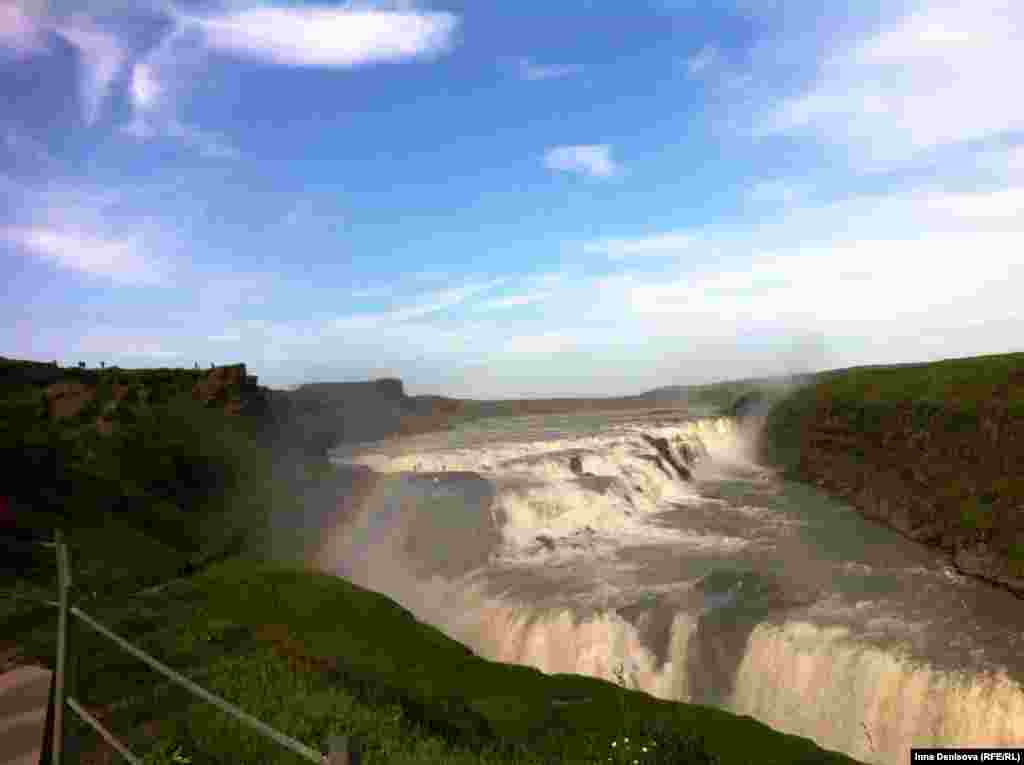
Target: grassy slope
314 655
965 387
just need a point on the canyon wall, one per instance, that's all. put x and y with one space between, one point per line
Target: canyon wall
935 451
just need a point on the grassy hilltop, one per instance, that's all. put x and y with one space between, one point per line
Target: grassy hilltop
165 482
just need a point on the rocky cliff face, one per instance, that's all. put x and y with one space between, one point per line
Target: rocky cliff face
102 397
231 390
945 474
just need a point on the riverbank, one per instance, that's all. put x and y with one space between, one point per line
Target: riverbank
935 451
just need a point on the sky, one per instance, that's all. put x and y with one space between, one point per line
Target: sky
511 199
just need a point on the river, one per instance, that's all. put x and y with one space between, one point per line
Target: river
573 543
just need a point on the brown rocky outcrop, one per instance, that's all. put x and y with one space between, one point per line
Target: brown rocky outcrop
230 389
67 399
665 453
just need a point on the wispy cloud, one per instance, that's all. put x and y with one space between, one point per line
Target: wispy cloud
784 191
310 36
100 55
121 260
158 83
88 229
660 245
1008 160
935 76
130 344
529 70
521 299
206 142
372 292
832 286
545 343
592 159
21 33
703 60
430 304
847 283
1005 204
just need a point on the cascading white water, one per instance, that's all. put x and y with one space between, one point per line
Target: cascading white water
588 553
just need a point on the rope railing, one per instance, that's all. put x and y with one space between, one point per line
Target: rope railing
342 751
284 740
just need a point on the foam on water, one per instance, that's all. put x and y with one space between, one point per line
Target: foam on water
898 700
623 482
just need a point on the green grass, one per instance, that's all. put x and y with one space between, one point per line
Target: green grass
952 394
176 495
316 656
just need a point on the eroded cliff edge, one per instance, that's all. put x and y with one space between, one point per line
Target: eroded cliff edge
935 451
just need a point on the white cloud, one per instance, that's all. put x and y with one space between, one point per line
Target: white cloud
1006 204
905 266
703 60
145 86
853 285
1004 161
593 159
21 33
432 303
909 277
544 343
100 54
311 36
372 292
91 229
121 260
328 37
786 192
119 343
226 337
514 301
101 57
206 142
660 245
528 70
934 77
158 82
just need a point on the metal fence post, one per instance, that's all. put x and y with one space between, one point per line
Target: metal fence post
60 691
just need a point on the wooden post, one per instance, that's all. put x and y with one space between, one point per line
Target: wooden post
344 750
60 690
46 752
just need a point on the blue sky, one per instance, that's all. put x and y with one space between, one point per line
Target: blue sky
510 199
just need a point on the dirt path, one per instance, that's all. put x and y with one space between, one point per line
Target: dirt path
24 693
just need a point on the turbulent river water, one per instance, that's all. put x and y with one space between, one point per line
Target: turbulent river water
586 544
